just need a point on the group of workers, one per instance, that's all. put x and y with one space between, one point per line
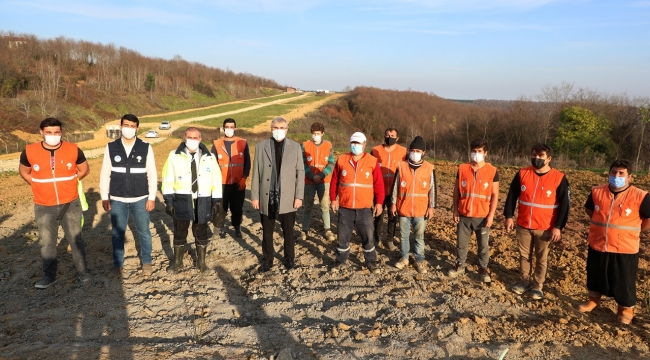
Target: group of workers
200 186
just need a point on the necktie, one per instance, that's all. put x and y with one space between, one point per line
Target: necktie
195 184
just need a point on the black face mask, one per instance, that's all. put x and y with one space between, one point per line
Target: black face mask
390 140
537 163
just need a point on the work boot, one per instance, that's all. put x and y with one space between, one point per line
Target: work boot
329 235
200 257
625 314
591 304
389 243
177 264
238 231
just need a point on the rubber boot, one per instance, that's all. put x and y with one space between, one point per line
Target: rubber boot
625 314
177 264
200 257
389 243
591 304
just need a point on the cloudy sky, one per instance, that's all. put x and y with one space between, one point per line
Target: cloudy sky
460 49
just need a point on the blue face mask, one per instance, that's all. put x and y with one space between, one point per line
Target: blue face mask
616 182
356 149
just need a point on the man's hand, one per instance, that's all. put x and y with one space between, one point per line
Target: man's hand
456 215
378 208
150 205
256 204
429 213
317 179
106 205
297 203
509 224
169 209
334 205
489 220
241 185
216 205
556 235
393 210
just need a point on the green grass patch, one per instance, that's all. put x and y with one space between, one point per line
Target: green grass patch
274 98
186 115
307 99
251 118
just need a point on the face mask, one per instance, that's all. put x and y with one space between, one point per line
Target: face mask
390 141
279 134
616 182
317 138
229 132
538 163
356 149
128 133
52 140
191 144
476 157
415 156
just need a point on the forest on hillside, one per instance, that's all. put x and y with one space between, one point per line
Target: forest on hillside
85 83
585 128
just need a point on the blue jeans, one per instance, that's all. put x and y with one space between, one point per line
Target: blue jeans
419 225
323 191
119 218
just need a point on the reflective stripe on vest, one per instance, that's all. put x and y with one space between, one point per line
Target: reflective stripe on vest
538 205
616 222
388 161
67 178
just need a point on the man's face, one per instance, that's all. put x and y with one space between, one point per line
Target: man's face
541 155
129 124
51 130
229 126
619 172
317 133
279 126
391 134
193 135
479 151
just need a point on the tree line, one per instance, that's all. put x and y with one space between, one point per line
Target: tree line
80 82
585 128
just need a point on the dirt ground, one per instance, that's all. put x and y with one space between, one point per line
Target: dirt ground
236 312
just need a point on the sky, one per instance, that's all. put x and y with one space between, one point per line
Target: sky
456 49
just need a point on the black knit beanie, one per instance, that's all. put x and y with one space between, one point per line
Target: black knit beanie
417 143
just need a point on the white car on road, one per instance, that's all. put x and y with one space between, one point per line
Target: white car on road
151 134
165 125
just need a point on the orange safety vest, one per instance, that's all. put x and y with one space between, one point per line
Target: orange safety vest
388 162
356 183
538 201
54 178
616 223
475 189
232 167
317 158
413 190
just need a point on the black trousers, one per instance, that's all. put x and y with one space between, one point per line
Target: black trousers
613 275
268 225
200 231
233 199
392 221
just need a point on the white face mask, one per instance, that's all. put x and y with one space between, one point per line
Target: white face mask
317 138
52 140
128 133
476 157
191 144
279 134
229 132
415 156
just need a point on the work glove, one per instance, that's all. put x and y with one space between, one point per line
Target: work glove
241 185
169 209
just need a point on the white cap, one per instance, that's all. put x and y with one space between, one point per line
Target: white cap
358 137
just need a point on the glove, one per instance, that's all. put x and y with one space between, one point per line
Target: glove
216 205
241 185
169 209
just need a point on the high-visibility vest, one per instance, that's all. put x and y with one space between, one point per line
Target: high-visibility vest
413 189
317 157
232 166
616 222
475 189
54 178
356 183
538 202
128 171
388 162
